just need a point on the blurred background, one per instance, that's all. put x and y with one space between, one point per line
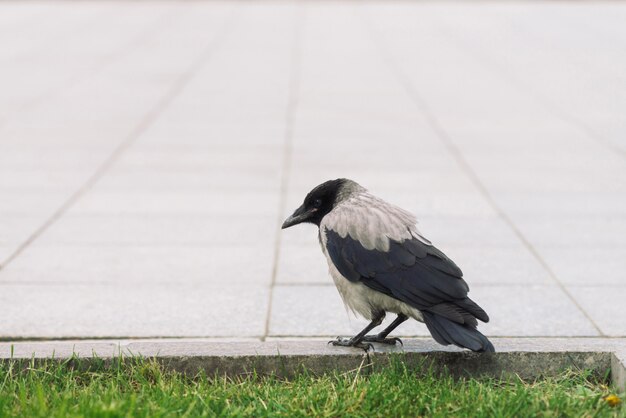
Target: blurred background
149 151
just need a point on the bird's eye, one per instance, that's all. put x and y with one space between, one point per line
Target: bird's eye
317 203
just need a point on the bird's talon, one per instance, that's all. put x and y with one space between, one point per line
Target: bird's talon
338 341
349 342
382 340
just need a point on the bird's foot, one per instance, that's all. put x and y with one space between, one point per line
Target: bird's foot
349 342
382 340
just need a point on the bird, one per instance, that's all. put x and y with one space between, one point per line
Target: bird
381 263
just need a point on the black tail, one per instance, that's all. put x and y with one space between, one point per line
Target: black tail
446 332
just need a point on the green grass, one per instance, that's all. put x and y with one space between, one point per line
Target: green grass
142 388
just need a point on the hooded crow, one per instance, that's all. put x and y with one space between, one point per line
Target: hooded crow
381 263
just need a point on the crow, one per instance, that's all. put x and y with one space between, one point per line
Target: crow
381 263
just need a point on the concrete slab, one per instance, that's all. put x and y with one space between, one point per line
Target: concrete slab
296 312
18 202
574 231
199 202
118 264
605 305
146 310
603 266
208 180
302 264
531 310
215 118
161 230
537 310
498 265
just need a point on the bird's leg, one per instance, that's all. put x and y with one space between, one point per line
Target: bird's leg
357 340
381 337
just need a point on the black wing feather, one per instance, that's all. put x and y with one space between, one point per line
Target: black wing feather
411 271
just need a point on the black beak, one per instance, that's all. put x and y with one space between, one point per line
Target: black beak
299 216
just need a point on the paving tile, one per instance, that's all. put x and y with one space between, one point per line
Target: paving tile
488 156
162 230
406 180
22 158
498 265
605 305
319 311
198 202
271 134
523 180
530 310
6 250
303 263
40 179
16 202
455 231
519 310
148 310
303 235
15 229
207 180
563 204
573 231
587 91
199 157
588 265
368 155
433 204
215 264
321 134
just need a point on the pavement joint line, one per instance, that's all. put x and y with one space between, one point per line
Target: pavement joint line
292 106
170 94
444 137
487 60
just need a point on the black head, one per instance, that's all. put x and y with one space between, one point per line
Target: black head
317 203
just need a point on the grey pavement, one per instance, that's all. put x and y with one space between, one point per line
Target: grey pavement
150 150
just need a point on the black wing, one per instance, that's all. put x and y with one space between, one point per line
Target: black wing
411 271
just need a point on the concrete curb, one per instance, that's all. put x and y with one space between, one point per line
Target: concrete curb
528 358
